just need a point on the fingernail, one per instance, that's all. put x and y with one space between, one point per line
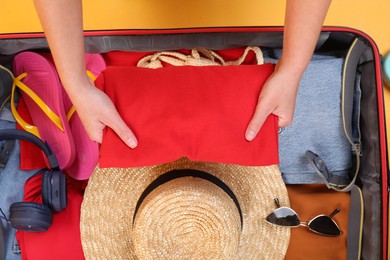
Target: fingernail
132 143
249 135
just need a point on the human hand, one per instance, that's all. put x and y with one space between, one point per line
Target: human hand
96 111
278 97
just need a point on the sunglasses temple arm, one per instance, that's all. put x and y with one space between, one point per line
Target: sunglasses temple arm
334 212
277 203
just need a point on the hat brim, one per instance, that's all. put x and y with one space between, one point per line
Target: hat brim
112 194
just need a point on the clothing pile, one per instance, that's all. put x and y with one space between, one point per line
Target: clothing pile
194 187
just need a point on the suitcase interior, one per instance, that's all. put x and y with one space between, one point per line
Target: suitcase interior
372 178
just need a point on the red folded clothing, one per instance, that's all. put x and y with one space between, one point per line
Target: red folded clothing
31 156
131 58
198 112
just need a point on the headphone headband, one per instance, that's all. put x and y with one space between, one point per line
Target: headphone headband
11 134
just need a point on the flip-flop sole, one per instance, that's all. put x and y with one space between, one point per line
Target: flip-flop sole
42 78
87 151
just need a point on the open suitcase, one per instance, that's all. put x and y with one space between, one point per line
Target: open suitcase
359 102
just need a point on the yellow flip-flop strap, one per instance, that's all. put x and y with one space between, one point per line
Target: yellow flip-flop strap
73 109
42 105
29 128
91 76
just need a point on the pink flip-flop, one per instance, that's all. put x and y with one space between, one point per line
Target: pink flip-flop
45 104
87 151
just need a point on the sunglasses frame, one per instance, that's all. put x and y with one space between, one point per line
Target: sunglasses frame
309 222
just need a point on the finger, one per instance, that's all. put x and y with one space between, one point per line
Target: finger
261 113
123 131
284 121
96 136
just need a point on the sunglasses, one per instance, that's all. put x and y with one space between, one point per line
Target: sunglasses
321 224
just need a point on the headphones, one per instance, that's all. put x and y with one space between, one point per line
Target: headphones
31 216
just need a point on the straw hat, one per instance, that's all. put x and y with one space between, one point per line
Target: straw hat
183 210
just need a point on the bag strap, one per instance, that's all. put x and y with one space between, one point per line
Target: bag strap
347 103
198 57
355 224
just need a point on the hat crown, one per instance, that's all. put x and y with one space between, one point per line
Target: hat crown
187 218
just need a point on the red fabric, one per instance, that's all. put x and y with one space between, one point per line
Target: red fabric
62 241
123 58
129 58
198 112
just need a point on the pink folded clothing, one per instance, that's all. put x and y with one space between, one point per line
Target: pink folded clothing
197 112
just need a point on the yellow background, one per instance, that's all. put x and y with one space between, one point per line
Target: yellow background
369 16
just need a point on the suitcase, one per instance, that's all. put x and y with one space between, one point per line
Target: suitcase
361 105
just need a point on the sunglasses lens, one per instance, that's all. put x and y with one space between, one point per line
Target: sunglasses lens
284 216
324 225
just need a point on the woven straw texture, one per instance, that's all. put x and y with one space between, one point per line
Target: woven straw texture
185 218
198 57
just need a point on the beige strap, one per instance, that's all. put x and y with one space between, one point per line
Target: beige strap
198 57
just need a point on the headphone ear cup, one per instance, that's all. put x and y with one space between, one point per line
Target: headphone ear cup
30 216
54 190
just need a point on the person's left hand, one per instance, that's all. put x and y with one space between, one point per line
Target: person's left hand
278 97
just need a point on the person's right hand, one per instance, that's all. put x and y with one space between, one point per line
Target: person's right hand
96 111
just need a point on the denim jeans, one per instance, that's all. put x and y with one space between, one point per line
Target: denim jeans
317 123
11 185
